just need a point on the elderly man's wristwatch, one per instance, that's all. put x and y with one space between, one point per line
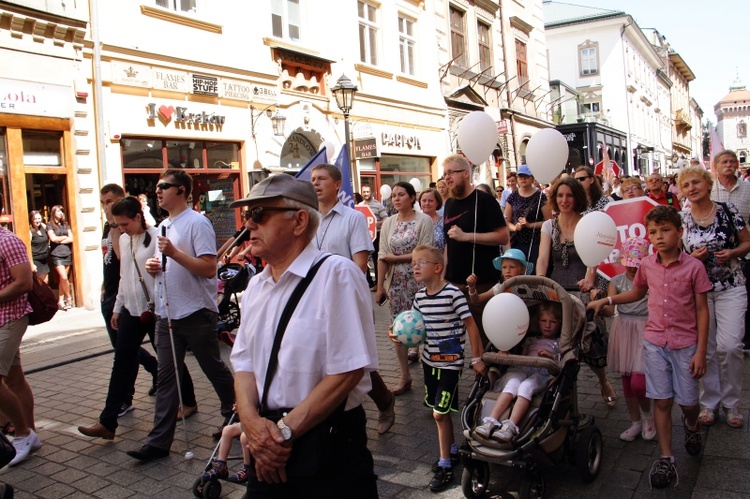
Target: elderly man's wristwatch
286 432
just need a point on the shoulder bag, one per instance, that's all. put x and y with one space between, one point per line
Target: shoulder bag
146 317
42 300
309 451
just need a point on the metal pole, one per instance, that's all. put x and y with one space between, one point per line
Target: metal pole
352 169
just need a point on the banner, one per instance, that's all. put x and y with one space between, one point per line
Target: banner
342 163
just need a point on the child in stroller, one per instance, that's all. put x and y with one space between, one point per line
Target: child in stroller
551 429
523 382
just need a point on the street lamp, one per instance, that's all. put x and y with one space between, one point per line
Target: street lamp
344 92
277 120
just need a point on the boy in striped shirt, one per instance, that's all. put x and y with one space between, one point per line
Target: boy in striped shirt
447 319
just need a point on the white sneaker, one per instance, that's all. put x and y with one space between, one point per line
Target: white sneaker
649 430
507 433
631 433
488 426
24 446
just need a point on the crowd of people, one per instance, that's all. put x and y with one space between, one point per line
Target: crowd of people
301 368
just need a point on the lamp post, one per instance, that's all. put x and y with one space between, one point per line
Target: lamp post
344 92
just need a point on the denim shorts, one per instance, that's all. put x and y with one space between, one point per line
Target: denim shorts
668 374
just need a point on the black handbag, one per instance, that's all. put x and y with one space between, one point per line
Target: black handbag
309 450
7 451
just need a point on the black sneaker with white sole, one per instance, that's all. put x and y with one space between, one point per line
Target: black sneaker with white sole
454 461
442 479
693 439
124 409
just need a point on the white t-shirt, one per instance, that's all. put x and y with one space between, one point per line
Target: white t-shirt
193 234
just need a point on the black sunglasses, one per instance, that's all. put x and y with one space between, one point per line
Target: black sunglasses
581 179
166 185
257 214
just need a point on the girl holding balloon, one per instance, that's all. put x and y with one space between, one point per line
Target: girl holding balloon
625 352
568 199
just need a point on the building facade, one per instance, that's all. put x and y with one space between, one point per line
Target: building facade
623 81
732 119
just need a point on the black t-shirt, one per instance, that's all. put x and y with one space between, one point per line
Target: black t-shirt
111 269
489 217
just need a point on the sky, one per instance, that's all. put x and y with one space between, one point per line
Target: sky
709 36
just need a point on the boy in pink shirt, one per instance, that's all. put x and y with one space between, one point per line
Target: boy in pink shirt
675 338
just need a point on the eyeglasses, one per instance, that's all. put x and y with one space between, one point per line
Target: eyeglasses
632 188
581 179
258 213
166 185
451 172
655 180
422 263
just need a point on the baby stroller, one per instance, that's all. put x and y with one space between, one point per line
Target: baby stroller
234 278
553 430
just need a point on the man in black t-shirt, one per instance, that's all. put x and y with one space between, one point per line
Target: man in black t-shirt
471 245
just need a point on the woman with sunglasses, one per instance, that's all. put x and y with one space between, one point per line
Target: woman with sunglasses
61 240
399 235
596 197
525 211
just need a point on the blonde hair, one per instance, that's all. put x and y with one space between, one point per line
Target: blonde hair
431 252
630 180
695 170
459 160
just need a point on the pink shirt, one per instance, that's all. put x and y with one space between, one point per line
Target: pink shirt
12 253
671 299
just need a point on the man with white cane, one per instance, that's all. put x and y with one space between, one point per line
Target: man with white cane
185 309
474 231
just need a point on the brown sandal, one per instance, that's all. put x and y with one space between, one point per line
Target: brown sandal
401 389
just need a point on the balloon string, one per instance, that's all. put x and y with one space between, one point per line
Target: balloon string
474 246
536 218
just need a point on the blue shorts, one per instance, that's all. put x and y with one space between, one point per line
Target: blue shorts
441 388
668 374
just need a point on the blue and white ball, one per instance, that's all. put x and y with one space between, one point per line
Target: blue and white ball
408 326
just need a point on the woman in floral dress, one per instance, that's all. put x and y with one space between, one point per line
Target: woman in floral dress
399 235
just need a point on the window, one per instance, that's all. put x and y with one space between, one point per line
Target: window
588 58
285 19
741 129
591 107
458 37
485 50
406 43
178 5
522 65
368 32
41 148
742 157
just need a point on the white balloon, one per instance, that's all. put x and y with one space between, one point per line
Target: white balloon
505 320
416 183
595 237
385 192
330 150
547 154
477 136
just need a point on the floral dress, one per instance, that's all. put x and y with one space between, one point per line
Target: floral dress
403 284
439 234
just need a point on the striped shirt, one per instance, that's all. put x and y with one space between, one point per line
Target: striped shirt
739 196
12 253
444 314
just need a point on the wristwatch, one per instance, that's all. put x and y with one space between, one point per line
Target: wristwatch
286 432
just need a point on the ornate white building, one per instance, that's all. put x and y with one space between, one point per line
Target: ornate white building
733 118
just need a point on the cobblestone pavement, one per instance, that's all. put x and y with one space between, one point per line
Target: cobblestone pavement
72 465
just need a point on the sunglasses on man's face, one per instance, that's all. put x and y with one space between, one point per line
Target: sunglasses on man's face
163 186
258 214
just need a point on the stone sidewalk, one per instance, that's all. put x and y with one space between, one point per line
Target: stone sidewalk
71 465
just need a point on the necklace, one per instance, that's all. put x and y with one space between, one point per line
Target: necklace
320 241
701 220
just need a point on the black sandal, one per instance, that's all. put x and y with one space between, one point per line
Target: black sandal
8 429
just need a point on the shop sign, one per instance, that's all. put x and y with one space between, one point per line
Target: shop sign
366 148
135 75
235 89
166 79
263 95
35 99
570 137
182 115
502 126
205 85
400 140
297 147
